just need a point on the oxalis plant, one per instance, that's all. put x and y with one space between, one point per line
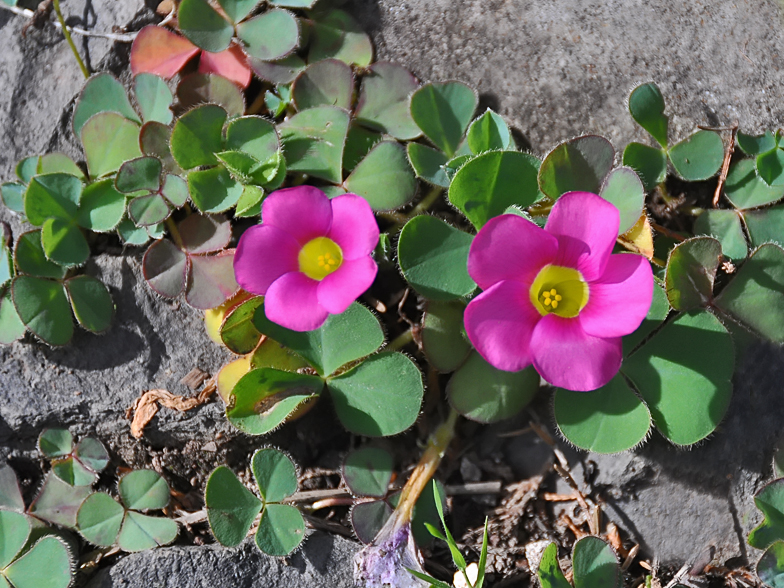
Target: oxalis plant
276 213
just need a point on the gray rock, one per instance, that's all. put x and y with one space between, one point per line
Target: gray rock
321 562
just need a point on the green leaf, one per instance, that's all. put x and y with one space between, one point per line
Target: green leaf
154 98
745 189
27 168
724 225
55 443
433 257
203 26
756 144
580 164
428 164
140 532
249 203
91 302
264 398
154 140
770 568
237 331
359 142
109 140
64 242
149 210
31 259
358 393
646 105
59 163
279 71
231 507
12 196
342 338
608 420
281 530
699 156
58 502
444 341
367 519
313 142
199 89
443 111
143 173
10 493
492 182
213 190
770 500
102 93
175 190
92 454
130 234
489 132
770 167
766 225
275 474
14 529
307 4
623 188
52 196
384 177
198 135
368 472
236 10
272 354
755 296
650 163
271 35
328 82
99 519
337 35
684 375
594 564
6 259
253 135
101 207
73 473
549 572
48 564
485 394
43 308
143 490
383 103
457 557
11 326
691 271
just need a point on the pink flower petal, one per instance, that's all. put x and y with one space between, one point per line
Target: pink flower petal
354 227
620 299
292 302
159 51
567 357
582 217
263 255
303 212
339 289
499 323
509 248
231 64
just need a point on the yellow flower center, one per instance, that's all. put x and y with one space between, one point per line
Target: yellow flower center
559 290
319 258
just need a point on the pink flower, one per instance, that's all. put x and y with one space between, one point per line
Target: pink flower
310 256
556 297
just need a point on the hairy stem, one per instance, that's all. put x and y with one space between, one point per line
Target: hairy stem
67 35
400 341
425 469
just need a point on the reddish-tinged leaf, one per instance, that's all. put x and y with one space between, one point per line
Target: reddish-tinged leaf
212 280
159 51
204 234
232 64
165 268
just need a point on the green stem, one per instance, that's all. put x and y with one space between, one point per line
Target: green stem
174 232
68 38
426 468
426 202
400 341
